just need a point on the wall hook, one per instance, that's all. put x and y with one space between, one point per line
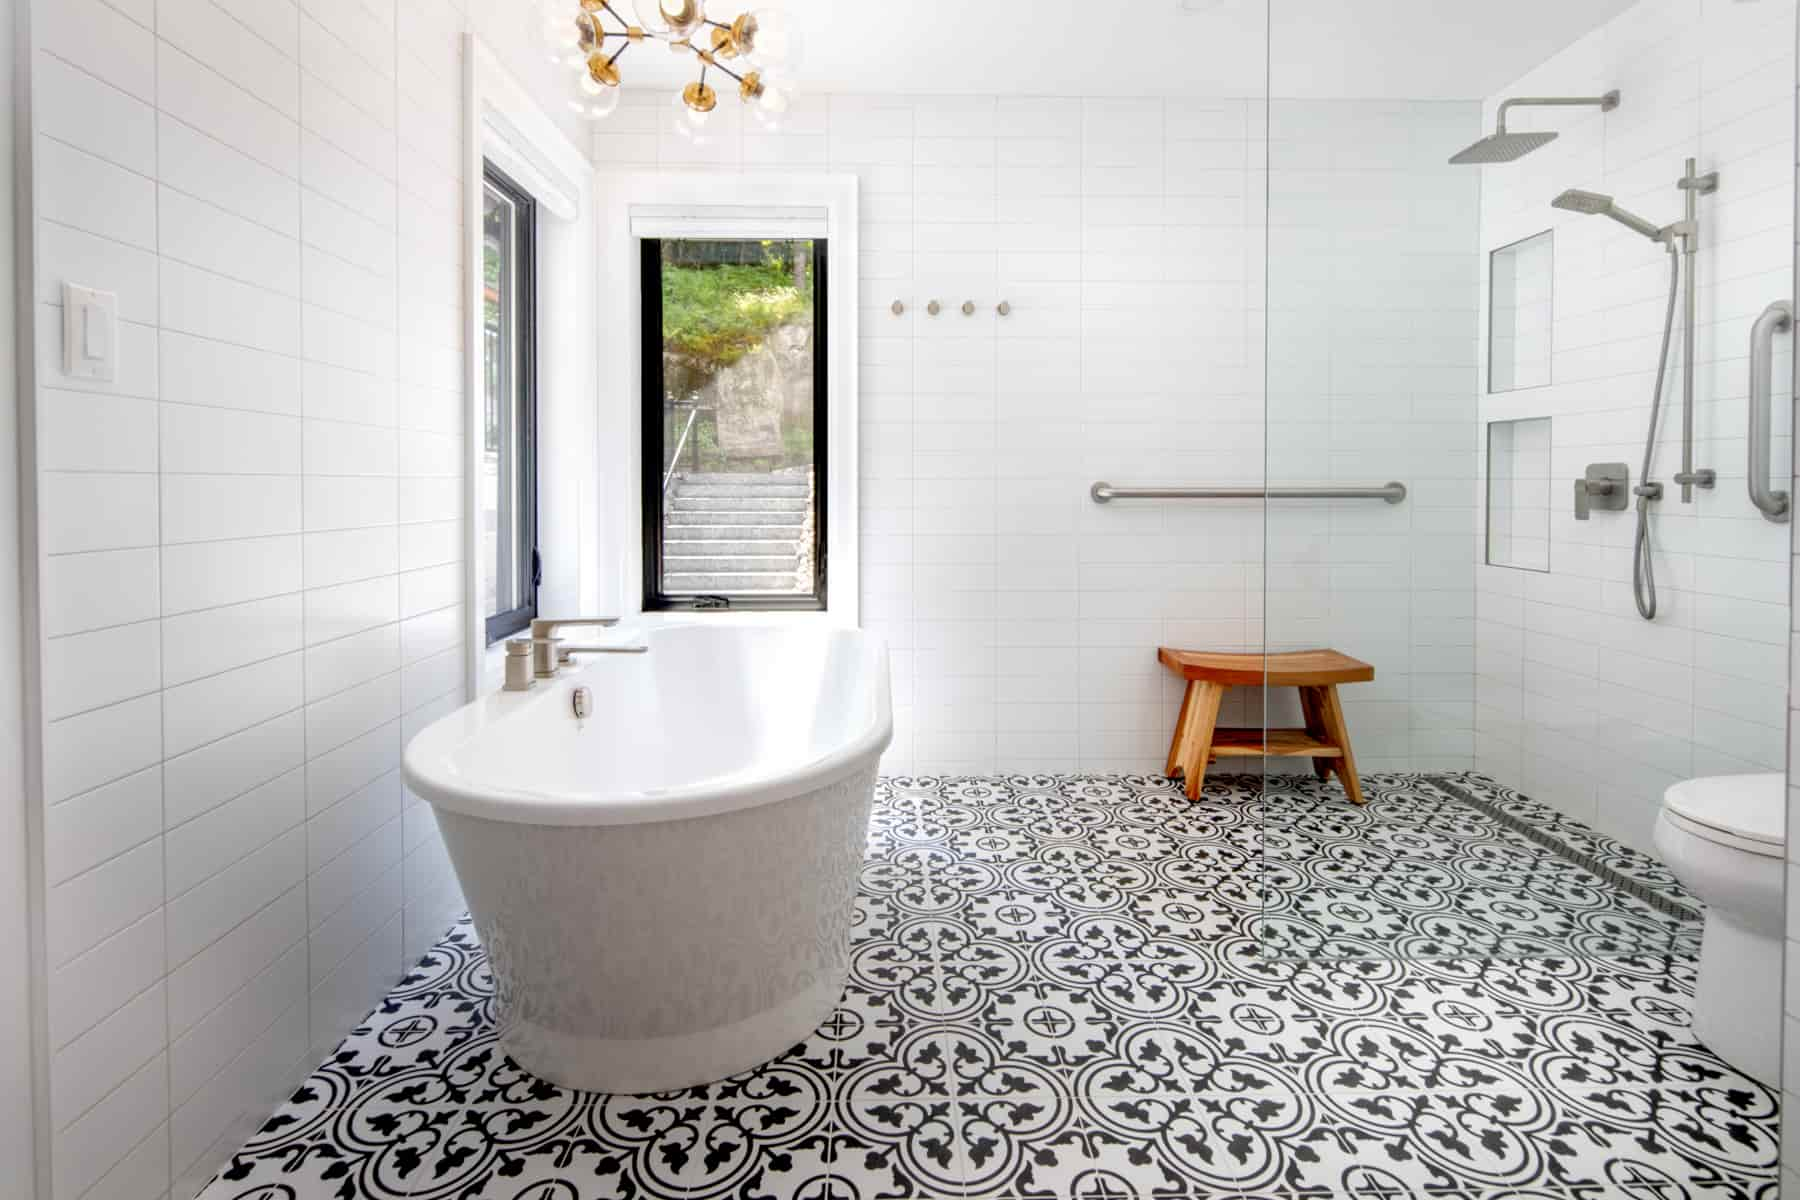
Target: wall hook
968 308
934 308
897 308
1003 307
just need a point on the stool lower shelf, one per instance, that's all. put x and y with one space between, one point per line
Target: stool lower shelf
1274 743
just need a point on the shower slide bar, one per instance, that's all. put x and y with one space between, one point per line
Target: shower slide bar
1392 492
1777 318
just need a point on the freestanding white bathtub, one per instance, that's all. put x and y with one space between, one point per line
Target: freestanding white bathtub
665 888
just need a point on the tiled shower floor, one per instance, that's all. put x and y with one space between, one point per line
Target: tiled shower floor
1058 989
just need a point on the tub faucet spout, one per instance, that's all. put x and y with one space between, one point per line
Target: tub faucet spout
548 651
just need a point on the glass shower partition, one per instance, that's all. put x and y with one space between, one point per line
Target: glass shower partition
1376 282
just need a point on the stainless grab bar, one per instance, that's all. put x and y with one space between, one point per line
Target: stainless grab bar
1777 318
1393 492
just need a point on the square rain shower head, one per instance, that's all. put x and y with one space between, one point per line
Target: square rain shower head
1502 147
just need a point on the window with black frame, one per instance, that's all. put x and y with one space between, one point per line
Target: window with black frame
734 465
506 492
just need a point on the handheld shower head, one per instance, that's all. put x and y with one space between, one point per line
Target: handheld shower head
1576 200
1595 204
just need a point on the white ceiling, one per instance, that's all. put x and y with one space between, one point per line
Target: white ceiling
1413 49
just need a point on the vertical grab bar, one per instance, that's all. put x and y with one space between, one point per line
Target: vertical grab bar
1777 318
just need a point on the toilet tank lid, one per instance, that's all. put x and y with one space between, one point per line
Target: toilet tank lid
1748 806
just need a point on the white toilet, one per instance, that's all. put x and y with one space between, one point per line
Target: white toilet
1722 836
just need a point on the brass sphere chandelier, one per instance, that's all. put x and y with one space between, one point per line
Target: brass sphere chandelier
754 50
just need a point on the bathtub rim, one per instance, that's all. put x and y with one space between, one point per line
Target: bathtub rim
423 762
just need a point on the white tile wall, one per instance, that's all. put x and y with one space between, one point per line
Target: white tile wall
1128 236
250 544
1579 702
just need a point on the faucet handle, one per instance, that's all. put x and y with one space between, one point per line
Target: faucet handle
1604 487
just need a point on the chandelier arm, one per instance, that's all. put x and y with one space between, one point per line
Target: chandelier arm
724 68
619 51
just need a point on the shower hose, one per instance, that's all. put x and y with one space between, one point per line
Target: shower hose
1643 573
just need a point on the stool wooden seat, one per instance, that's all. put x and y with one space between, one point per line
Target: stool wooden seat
1316 673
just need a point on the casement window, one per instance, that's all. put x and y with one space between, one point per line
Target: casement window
734 423
506 489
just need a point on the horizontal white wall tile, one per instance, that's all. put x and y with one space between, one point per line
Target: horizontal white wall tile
348 714
348 608
201 848
225 441
220 639
200 508
85 671
88 1149
204 235
92 591
101 41
202 164
209 978
201 916
84 431
87 192
200 1054
85 111
199 370
85 1070
83 752
211 574
83 910
216 38
204 711
335 666
86 830
199 96
215 306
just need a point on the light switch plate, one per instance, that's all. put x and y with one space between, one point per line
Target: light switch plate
90 333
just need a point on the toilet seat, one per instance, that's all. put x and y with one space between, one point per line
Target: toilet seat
1745 812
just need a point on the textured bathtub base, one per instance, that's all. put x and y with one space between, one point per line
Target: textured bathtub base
643 1066
642 958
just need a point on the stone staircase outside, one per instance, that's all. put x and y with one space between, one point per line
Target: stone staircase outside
730 533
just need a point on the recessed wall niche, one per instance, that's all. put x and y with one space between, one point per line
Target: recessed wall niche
1519 311
1518 494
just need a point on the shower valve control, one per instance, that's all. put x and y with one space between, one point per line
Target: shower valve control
1606 486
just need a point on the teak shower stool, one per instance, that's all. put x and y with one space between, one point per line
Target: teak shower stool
1198 739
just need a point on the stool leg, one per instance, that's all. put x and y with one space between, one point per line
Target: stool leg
1181 722
1315 725
1196 748
1332 712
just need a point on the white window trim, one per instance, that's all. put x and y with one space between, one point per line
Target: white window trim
723 201
506 125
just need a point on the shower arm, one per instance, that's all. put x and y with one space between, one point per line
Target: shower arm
1604 103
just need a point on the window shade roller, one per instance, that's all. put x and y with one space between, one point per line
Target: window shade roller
728 221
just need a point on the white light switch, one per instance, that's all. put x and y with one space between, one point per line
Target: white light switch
90 333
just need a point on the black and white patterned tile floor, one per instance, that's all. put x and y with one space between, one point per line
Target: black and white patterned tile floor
1060 988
